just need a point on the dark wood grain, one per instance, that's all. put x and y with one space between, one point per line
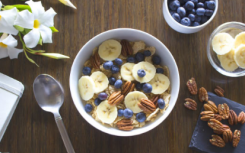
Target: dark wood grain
34 131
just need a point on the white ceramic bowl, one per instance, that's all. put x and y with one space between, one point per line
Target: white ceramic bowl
131 35
181 28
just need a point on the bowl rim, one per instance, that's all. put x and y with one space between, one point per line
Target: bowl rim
215 66
157 122
196 27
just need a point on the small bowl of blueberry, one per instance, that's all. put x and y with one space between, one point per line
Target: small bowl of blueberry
189 16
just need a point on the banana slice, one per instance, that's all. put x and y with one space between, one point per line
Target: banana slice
222 43
239 40
86 87
109 50
132 99
227 61
106 113
149 69
126 71
160 83
240 56
100 80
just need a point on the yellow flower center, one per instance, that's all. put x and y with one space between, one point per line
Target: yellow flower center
3 45
36 24
0 17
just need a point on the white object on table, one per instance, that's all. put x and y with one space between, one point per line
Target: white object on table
11 91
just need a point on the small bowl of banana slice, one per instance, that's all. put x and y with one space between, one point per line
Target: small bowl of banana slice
124 82
226 49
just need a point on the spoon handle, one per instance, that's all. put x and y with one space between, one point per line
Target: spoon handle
63 133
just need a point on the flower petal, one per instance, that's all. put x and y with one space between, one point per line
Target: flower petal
25 19
46 34
10 41
13 52
36 8
31 39
48 18
68 3
9 15
5 35
7 28
3 52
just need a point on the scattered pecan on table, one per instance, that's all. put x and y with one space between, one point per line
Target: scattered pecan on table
210 106
232 118
207 115
223 110
203 94
218 126
217 141
219 91
241 118
236 138
227 136
192 86
190 104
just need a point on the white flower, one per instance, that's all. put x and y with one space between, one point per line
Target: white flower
7 21
68 3
39 21
7 47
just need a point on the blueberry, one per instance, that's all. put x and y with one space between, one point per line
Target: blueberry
141 73
112 80
118 84
200 5
192 17
115 69
209 12
195 1
88 108
176 17
118 61
196 24
147 53
140 117
138 86
204 19
97 101
198 19
181 11
161 103
172 12
200 11
120 112
147 88
102 96
86 70
186 21
156 60
131 59
139 57
160 70
107 65
127 113
211 5
174 5
189 5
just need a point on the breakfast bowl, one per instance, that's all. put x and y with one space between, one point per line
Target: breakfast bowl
131 35
177 26
225 64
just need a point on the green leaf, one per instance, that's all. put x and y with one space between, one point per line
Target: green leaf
22 7
26 31
31 60
8 7
19 28
1 34
54 29
40 42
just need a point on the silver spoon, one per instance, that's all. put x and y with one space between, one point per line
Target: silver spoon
50 97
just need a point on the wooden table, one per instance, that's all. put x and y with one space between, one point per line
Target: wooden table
34 131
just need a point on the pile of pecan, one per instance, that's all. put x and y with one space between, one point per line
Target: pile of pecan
215 114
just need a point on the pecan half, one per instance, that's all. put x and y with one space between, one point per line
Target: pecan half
236 138
127 49
127 87
147 105
203 94
223 110
210 106
125 124
192 86
217 126
190 104
219 91
227 136
232 118
115 98
95 60
241 118
207 115
217 141
155 99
